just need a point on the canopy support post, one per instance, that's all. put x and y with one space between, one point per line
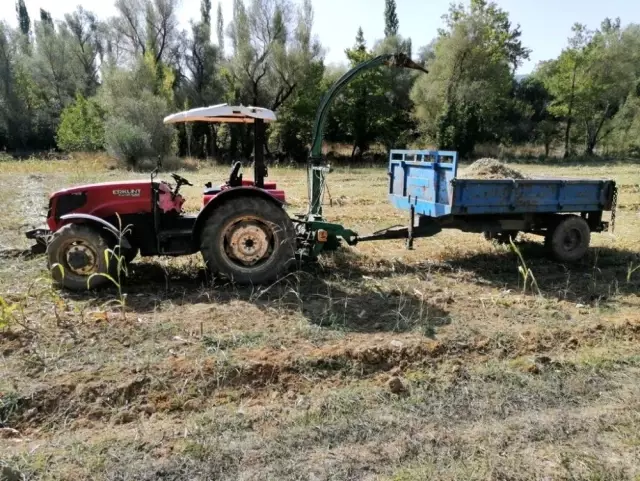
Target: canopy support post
259 167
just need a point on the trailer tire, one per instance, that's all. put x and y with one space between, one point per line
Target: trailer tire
89 246
569 239
249 240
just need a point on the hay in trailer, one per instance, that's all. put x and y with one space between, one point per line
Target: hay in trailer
490 169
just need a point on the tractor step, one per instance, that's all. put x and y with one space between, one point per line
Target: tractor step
176 242
174 233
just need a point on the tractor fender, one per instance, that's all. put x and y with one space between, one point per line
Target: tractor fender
224 196
98 222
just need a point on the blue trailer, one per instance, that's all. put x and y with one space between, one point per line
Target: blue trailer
564 211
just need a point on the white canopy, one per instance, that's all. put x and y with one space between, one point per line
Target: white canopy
222 113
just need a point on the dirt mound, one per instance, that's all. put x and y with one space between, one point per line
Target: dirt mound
490 169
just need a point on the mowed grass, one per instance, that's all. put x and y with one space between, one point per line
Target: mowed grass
206 380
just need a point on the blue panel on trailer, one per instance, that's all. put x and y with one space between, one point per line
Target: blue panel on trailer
427 180
528 196
422 178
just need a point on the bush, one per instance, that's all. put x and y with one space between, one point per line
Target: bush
127 142
134 129
81 126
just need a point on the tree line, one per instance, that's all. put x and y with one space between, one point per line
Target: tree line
81 83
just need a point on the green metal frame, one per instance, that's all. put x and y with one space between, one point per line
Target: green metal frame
317 168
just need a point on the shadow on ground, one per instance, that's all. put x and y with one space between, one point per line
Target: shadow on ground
604 273
338 298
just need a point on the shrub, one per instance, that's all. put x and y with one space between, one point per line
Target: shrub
134 129
81 126
126 142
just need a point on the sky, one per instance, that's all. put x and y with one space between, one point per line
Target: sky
546 24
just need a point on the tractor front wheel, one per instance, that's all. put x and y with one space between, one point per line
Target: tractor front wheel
77 256
249 240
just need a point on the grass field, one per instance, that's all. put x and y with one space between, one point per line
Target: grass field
290 382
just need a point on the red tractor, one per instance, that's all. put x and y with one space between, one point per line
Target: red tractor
242 229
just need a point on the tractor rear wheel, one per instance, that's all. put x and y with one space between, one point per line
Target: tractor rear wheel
249 240
77 255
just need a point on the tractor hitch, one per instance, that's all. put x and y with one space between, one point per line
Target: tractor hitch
41 236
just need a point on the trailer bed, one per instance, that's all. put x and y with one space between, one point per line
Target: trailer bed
427 182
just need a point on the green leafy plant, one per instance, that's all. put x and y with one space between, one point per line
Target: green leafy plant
528 278
116 255
8 405
81 126
632 269
7 312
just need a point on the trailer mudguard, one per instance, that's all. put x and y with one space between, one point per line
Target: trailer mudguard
232 194
97 221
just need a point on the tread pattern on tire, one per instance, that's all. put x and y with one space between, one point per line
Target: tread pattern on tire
284 251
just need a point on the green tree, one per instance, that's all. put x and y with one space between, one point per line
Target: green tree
24 22
45 17
391 23
49 79
272 52
81 126
220 30
205 12
470 77
395 125
560 77
589 81
362 98
12 127
533 121
135 106
146 25
202 85
82 34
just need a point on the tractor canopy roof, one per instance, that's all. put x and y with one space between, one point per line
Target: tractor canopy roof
222 113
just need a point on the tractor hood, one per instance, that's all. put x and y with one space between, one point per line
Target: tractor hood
104 186
107 201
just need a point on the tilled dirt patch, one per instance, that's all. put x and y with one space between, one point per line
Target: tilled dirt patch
189 383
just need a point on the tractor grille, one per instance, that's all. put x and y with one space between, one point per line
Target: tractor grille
69 202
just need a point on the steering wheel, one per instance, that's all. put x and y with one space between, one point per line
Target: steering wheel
181 180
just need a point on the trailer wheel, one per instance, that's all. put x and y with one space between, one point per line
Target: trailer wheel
249 240
77 252
569 239
503 237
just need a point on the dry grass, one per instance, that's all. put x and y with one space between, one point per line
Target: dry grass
210 381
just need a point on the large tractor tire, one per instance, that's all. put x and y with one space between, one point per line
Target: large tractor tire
248 240
77 255
568 240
